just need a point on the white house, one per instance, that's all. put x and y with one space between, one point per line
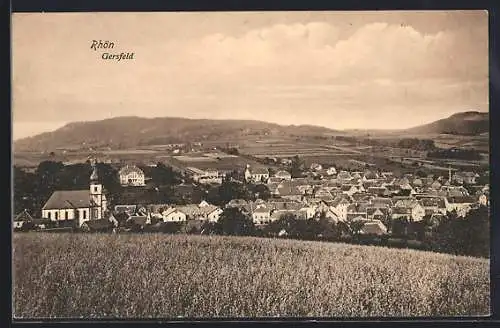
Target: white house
349 189
202 211
131 175
172 214
373 227
316 167
409 206
483 200
340 204
258 174
206 176
331 171
261 215
80 205
21 218
462 205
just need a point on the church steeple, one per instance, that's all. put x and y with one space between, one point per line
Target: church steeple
94 177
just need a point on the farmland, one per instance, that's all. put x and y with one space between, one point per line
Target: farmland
160 276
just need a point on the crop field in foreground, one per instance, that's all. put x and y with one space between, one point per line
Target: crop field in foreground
167 276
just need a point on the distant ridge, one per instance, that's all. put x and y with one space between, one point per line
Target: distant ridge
470 123
133 131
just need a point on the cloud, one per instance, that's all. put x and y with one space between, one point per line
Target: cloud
318 72
304 52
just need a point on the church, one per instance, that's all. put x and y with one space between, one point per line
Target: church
78 205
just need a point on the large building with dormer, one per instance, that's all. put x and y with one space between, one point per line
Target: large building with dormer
131 175
78 206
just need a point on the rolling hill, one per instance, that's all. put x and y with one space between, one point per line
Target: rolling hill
132 131
471 123
125 132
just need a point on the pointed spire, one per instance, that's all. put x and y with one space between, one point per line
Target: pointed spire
94 177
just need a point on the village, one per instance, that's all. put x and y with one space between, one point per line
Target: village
363 202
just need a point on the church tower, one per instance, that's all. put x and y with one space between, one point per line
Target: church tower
96 197
248 174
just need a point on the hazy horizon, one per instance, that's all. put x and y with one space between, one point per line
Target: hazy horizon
340 70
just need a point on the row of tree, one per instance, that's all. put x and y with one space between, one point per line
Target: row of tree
456 153
459 236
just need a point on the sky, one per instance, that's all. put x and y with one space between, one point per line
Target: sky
341 70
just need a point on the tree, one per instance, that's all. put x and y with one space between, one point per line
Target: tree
260 191
234 222
464 236
23 187
164 175
328 229
420 173
211 228
297 167
356 227
400 227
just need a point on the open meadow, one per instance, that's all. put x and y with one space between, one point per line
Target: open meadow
170 276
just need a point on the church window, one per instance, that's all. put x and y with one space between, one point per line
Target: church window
95 189
66 215
48 215
84 214
56 215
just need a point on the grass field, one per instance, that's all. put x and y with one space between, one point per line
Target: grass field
160 276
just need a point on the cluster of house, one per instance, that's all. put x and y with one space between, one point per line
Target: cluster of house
366 196
369 197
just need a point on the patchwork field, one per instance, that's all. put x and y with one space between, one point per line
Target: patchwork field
226 163
172 276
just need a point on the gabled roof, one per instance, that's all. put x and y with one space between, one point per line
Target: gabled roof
377 190
195 210
282 173
407 203
261 209
289 191
370 175
23 216
126 170
433 202
157 208
374 227
343 175
237 202
259 170
285 206
139 220
340 200
274 180
377 211
298 214
381 202
68 199
401 210
169 211
346 187
356 216
125 208
461 200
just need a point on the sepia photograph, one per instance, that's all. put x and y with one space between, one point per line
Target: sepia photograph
285 164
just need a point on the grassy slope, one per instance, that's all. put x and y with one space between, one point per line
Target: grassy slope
60 275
